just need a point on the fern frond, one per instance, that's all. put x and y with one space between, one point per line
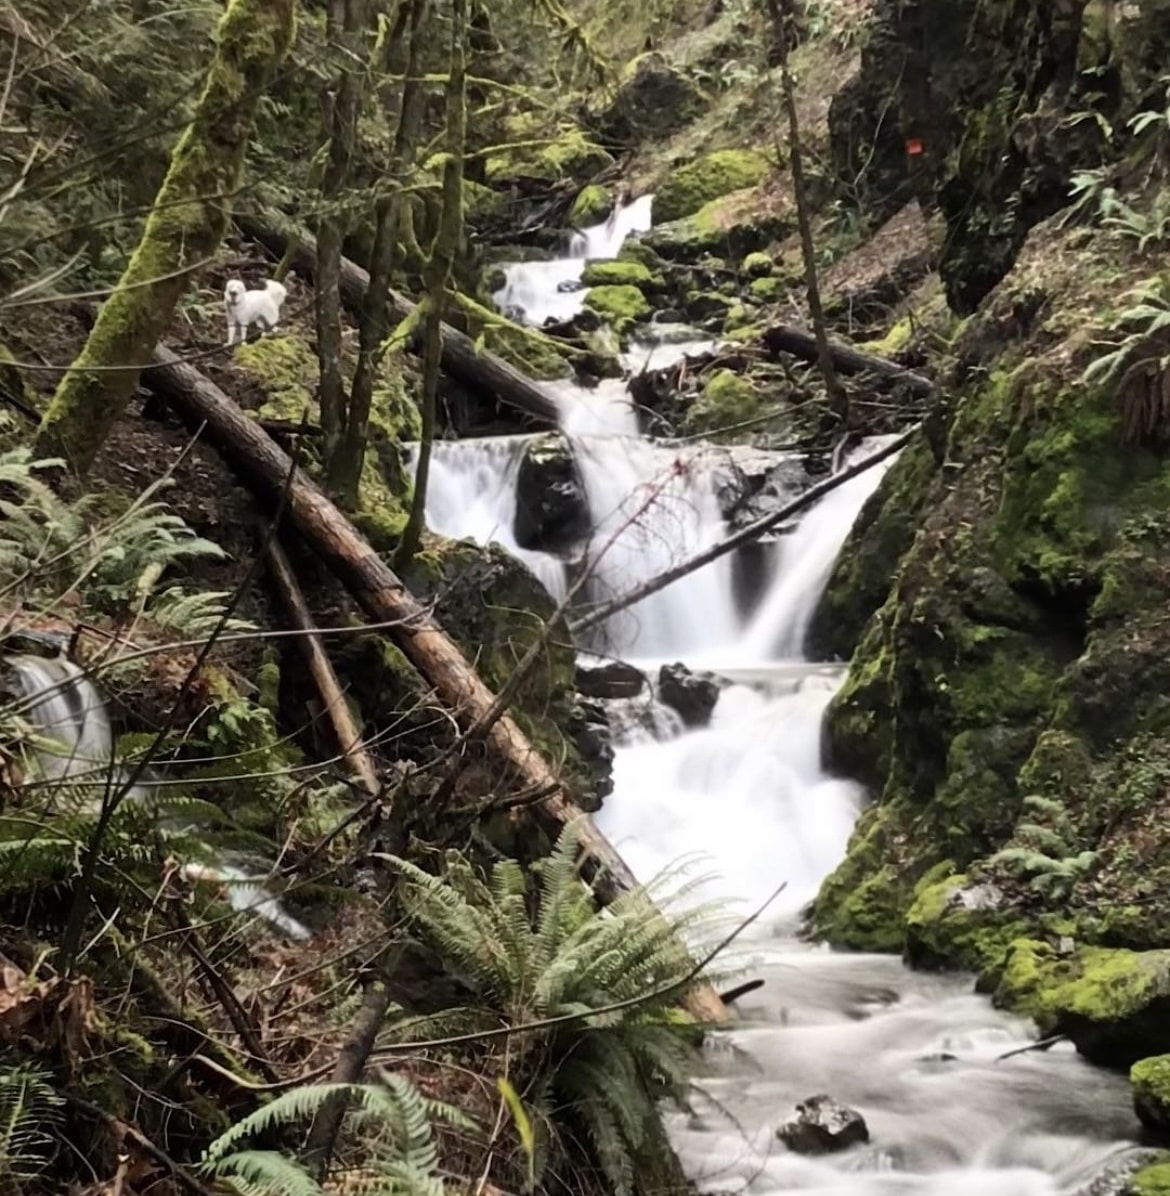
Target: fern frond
263 1173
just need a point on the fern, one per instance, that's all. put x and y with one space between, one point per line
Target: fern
394 1117
30 1115
596 1080
1046 855
194 615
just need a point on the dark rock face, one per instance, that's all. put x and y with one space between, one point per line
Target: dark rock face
936 74
610 679
692 695
822 1126
655 101
552 512
590 733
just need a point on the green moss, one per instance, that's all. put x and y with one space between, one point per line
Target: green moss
1113 1004
285 368
1150 1081
863 902
951 923
268 681
727 399
620 273
894 341
622 306
685 190
592 205
767 290
1151 1181
532 153
758 265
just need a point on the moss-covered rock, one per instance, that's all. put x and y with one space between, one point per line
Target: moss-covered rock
622 305
566 154
654 100
528 349
1150 1081
1113 1004
758 265
727 400
592 205
621 273
730 227
1150 1181
688 188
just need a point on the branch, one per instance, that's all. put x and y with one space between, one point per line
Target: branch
746 535
349 740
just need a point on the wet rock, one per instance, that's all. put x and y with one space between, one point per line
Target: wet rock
823 1126
570 286
752 483
655 100
692 695
591 735
610 679
552 511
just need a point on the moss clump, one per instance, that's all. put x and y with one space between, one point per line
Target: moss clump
285 370
767 290
620 273
592 205
953 922
728 399
758 265
731 226
1151 1181
688 188
622 306
530 351
1150 1081
898 337
569 154
1113 1004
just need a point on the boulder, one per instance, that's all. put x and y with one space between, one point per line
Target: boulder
590 733
1150 1081
654 100
688 188
823 1126
552 511
692 695
610 679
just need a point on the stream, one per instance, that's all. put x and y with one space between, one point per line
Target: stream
919 1056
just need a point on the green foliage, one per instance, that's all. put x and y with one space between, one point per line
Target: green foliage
392 1120
50 547
531 956
1047 854
30 1118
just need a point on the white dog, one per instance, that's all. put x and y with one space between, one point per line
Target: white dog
245 308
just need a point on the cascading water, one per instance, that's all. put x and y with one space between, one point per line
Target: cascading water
919 1056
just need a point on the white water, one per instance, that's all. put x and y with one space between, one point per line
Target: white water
70 757
750 794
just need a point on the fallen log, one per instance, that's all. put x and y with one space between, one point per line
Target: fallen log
349 741
460 359
799 342
383 597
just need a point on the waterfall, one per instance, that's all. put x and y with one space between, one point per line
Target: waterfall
917 1055
72 752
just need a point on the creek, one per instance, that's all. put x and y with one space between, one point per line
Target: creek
919 1056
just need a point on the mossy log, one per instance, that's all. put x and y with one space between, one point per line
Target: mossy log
384 598
461 359
183 231
799 342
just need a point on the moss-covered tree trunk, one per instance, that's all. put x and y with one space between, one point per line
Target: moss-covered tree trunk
182 232
440 266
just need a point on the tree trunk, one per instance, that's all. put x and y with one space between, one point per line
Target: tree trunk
384 598
799 342
439 267
783 20
485 371
181 234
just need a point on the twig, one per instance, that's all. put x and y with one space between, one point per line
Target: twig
1041 1044
746 535
349 740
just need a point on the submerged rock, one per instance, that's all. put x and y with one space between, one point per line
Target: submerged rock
823 1126
552 511
692 695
